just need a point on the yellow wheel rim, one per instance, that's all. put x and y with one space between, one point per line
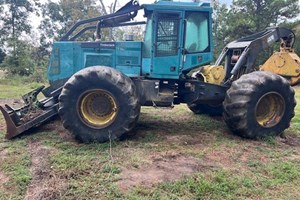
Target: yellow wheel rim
269 109
98 108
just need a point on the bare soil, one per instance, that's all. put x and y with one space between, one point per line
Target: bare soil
165 167
56 126
11 102
2 127
291 140
3 179
44 184
190 140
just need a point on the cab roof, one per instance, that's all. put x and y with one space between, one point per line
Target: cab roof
177 6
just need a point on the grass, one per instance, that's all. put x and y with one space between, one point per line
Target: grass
14 88
296 120
228 167
16 165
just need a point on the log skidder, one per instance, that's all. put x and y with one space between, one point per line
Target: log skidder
259 104
98 86
98 104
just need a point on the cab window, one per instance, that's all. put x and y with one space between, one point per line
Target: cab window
167 33
197 32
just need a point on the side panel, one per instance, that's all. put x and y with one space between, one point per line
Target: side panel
128 58
69 57
197 59
62 62
96 53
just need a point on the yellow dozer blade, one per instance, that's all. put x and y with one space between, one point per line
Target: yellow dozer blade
285 63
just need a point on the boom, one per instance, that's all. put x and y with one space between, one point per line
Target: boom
240 55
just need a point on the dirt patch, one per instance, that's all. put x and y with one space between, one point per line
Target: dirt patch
199 140
223 157
3 154
44 184
56 126
3 151
2 127
12 102
3 179
291 140
170 166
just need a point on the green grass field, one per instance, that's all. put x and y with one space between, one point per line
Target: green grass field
173 154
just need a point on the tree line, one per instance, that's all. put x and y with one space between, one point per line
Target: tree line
23 53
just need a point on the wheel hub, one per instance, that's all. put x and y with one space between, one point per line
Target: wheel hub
97 108
101 105
270 109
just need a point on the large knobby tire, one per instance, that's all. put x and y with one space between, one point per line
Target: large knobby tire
207 109
259 104
98 104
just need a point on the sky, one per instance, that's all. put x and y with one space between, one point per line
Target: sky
228 2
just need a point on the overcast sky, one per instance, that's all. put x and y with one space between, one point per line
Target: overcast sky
228 2
151 1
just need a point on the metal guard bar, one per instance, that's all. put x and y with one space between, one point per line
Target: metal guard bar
108 26
130 9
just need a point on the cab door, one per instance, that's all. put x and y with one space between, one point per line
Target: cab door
166 57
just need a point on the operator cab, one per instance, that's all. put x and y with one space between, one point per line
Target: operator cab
178 38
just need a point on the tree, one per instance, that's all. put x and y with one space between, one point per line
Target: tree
14 24
295 26
21 62
112 9
2 55
247 17
59 17
220 27
14 19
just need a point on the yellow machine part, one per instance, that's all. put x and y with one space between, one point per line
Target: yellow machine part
213 74
285 63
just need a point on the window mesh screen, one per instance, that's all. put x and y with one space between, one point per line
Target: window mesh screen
167 35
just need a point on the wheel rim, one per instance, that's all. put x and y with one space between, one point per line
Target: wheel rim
98 108
269 109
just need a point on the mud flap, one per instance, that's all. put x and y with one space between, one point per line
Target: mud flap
14 129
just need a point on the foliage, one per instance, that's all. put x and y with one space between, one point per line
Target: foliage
221 19
295 26
247 17
59 17
15 18
2 55
15 23
21 62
